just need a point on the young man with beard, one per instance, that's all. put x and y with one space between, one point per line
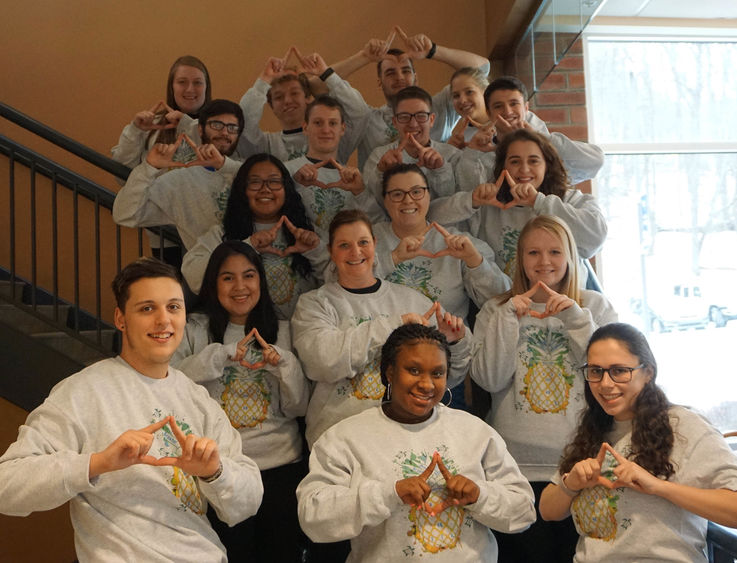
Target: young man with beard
191 197
136 446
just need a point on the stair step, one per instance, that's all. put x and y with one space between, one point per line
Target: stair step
22 321
76 349
107 336
6 289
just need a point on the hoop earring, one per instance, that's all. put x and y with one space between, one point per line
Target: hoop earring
450 397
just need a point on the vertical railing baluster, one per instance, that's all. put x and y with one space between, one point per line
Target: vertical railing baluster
140 242
55 246
98 274
33 234
75 227
118 250
11 237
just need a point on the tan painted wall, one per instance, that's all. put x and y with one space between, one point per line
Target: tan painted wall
85 67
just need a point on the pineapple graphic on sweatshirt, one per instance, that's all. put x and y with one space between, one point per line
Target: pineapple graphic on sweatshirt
548 379
442 531
183 485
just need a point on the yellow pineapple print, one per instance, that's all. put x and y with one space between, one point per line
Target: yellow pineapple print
246 397
435 533
367 384
281 280
186 490
547 383
593 511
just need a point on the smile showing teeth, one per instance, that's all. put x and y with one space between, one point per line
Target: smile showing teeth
161 335
356 262
408 211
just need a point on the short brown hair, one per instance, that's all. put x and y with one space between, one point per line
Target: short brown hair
346 217
301 78
144 267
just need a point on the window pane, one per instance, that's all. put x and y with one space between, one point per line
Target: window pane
670 267
663 92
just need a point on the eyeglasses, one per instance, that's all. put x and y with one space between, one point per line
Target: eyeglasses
218 126
405 117
415 193
273 184
618 374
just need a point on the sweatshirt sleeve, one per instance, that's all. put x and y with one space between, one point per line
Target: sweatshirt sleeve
582 160
335 502
198 358
506 500
474 168
253 140
495 346
236 494
45 466
294 391
371 174
195 260
131 146
331 352
581 213
485 280
356 109
133 206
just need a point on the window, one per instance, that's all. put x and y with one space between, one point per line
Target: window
665 112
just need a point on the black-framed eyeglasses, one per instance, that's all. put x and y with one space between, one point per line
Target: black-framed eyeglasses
618 374
216 125
273 184
406 117
418 192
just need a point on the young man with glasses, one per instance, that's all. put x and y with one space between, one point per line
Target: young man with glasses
193 195
413 119
396 71
325 184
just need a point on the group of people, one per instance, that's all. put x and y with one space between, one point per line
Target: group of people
332 318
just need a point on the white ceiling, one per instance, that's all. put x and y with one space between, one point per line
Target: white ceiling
702 9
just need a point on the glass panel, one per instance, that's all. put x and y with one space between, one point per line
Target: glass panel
544 37
525 63
669 266
663 92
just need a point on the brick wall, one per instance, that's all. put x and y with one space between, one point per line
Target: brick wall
561 100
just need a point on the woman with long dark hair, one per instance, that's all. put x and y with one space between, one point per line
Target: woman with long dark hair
265 210
242 354
641 476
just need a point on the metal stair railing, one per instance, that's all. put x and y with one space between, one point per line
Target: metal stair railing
77 215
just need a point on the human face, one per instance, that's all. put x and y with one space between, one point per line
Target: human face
239 287
352 251
617 399
324 130
468 98
224 142
508 104
420 131
265 203
288 101
544 259
396 73
418 379
189 88
407 215
525 163
152 324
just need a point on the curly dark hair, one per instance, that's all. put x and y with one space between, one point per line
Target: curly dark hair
652 435
238 220
556 180
409 333
262 316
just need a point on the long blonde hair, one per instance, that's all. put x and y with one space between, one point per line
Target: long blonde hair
558 228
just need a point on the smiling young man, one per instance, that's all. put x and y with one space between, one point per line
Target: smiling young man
135 445
325 185
288 94
192 198
509 110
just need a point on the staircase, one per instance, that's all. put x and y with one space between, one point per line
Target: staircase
58 255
